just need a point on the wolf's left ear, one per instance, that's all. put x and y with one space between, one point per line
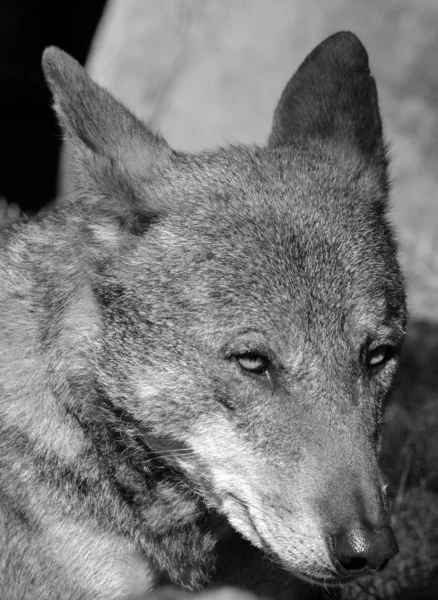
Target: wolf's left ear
90 114
114 153
332 96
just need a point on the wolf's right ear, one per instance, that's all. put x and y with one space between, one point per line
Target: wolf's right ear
110 146
333 96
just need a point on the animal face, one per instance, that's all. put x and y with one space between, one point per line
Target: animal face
271 339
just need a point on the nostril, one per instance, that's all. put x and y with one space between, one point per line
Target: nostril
353 563
360 549
383 566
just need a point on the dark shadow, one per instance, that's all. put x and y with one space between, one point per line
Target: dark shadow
30 142
410 442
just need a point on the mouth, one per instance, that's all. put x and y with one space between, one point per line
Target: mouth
241 510
322 576
328 579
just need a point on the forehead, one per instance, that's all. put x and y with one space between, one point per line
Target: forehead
276 232
294 208
266 194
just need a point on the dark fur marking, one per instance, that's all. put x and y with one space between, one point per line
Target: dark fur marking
144 483
142 222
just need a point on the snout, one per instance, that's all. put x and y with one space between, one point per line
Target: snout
357 533
359 549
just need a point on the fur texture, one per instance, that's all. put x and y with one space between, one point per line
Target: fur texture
198 347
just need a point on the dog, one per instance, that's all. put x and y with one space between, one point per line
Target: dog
196 349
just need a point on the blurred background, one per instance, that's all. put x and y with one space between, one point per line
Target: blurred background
207 72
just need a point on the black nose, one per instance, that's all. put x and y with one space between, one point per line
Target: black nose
362 549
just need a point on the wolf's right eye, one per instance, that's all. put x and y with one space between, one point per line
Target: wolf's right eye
254 363
378 356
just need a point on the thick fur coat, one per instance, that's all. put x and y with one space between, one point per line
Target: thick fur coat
199 347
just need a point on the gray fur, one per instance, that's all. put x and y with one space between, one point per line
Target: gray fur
130 436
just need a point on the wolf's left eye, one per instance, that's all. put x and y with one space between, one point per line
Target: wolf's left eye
380 355
254 363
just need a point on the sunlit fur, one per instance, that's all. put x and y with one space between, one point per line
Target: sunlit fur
135 448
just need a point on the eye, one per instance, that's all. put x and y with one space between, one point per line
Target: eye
253 362
379 355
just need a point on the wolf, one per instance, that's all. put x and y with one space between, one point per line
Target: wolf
196 349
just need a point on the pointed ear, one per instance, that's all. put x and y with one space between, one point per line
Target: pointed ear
114 153
332 96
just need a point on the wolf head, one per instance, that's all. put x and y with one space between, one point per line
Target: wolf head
249 303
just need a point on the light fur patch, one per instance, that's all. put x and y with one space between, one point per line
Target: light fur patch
29 405
108 235
103 563
26 399
259 500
